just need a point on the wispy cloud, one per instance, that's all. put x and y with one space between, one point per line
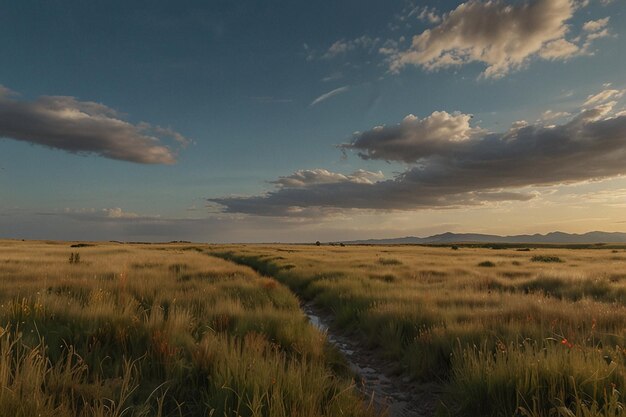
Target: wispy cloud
603 96
84 127
344 46
330 94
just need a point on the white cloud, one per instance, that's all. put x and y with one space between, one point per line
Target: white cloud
603 96
429 15
502 36
596 25
414 138
552 115
329 94
105 214
604 33
308 177
558 49
595 29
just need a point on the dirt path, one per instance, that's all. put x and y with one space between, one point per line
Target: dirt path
388 390
397 394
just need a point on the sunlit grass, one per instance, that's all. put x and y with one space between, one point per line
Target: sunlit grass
156 330
508 332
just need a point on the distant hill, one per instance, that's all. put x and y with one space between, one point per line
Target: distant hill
553 237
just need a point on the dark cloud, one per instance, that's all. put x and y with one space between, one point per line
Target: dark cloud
470 170
84 127
325 199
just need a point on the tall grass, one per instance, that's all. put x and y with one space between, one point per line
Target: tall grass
157 330
518 338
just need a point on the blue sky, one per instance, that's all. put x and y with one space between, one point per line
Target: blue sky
223 121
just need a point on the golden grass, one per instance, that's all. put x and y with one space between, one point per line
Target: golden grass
156 330
497 336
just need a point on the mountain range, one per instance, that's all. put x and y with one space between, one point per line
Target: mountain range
553 237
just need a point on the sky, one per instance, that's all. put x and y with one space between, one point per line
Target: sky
294 121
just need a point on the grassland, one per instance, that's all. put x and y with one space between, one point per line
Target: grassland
217 330
156 330
508 332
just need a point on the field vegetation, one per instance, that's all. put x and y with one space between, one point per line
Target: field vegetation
110 329
157 330
507 332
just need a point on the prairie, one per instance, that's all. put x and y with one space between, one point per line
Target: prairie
156 330
506 332
218 330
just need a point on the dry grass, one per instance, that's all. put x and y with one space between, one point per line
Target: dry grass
156 330
521 337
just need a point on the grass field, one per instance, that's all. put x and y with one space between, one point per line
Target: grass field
156 330
508 332
192 330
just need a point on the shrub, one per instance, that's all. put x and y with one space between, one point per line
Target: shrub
487 264
389 261
74 258
545 258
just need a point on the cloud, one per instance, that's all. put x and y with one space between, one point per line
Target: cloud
466 167
333 198
308 177
595 29
603 96
604 33
344 46
105 214
330 94
596 25
84 127
5 92
552 115
427 14
558 49
503 36
413 138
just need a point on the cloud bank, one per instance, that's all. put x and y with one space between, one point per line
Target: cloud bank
84 127
452 164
